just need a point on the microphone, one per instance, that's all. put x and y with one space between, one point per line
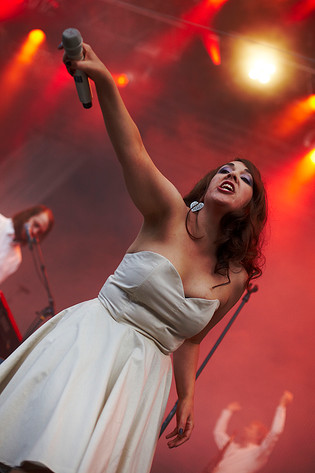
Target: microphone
30 240
72 44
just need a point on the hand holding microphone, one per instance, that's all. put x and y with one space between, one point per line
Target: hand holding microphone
72 44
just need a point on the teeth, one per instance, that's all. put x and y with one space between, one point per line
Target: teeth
227 186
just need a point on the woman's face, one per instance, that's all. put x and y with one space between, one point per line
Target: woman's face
37 225
231 188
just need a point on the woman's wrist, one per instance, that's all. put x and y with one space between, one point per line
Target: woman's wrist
103 78
188 397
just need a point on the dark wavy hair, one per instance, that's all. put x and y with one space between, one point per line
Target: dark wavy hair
241 232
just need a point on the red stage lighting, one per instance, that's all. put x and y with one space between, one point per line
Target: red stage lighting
9 8
311 102
312 156
203 14
301 10
302 173
121 80
36 36
293 186
14 73
30 46
295 115
212 46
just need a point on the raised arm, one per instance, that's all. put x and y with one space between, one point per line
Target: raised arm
221 437
277 424
280 414
151 192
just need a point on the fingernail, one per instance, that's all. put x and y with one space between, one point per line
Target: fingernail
180 431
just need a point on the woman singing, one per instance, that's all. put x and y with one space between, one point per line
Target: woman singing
86 393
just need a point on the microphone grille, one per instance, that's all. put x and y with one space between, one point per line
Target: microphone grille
72 41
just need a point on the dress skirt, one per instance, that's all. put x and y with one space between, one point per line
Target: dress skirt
87 395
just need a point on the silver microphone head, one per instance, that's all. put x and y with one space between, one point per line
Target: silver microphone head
72 42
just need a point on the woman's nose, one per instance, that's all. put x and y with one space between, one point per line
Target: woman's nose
233 176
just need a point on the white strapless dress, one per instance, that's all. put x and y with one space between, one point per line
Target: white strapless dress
86 393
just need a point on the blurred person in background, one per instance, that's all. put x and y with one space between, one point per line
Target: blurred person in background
256 442
33 223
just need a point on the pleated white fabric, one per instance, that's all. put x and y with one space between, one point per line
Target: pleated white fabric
86 393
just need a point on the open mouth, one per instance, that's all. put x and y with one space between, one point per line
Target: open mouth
227 186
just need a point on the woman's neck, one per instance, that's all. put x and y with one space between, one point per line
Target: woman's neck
204 229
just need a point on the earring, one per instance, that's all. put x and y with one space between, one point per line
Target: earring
196 206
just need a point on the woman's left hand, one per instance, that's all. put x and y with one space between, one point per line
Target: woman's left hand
185 423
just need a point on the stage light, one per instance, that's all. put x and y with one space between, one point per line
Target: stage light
36 36
294 116
121 80
14 73
212 46
311 102
262 70
302 174
260 64
296 183
31 44
216 3
306 169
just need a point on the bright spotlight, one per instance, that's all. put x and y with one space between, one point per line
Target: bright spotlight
31 45
36 36
261 70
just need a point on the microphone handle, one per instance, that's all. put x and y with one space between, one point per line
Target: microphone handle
82 84
72 43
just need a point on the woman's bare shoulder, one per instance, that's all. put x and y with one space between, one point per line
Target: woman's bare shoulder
228 295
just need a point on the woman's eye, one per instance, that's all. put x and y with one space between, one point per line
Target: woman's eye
225 170
248 180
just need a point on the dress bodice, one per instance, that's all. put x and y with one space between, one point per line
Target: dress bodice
146 292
